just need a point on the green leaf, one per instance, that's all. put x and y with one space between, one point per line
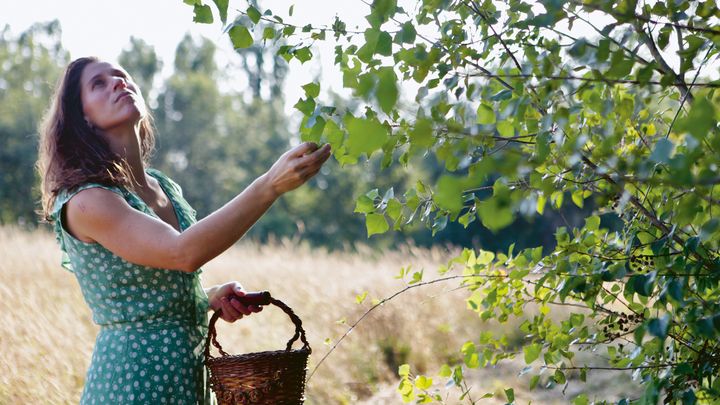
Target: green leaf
664 36
422 133
407 33
485 114
496 212
659 326
364 135
643 284
445 371
510 394
254 14
470 355
502 95
268 33
384 44
303 54
306 106
387 92
663 150
620 66
534 382
203 14
334 134
577 197
384 9
222 6
506 129
448 193
394 209
423 383
416 277
709 228
404 370
559 377
532 352
240 37
364 205
700 120
376 224
366 52
541 201
592 223
312 89
361 297
581 399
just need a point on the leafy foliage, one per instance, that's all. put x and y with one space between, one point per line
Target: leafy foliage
31 64
512 100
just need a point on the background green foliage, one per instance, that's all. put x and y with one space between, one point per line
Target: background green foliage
525 117
30 65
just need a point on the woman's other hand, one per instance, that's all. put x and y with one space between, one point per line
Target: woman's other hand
296 166
221 297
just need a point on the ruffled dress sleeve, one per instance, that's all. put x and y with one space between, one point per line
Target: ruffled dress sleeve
68 243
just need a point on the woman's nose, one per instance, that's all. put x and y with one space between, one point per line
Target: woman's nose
119 83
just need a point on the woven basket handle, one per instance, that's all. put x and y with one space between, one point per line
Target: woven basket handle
257 298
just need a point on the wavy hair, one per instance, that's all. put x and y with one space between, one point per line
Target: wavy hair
71 152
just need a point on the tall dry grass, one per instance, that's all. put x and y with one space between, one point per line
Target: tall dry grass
48 334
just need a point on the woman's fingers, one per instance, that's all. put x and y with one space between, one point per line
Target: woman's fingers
317 157
304 148
240 307
229 313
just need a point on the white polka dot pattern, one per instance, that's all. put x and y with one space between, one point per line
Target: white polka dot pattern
153 321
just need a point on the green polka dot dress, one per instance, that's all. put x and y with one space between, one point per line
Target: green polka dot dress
153 322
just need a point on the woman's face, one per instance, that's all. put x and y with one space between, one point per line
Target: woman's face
110 98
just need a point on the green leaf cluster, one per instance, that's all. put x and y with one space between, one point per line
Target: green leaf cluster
526 120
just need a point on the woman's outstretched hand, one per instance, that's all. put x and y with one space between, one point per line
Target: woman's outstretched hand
221 296
296 166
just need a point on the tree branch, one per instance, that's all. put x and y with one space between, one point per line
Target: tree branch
650 43
636 17
712 85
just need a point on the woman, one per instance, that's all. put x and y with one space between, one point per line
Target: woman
133 242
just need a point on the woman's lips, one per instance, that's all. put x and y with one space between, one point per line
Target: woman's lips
123 95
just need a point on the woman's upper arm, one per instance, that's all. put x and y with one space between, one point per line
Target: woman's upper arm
107 219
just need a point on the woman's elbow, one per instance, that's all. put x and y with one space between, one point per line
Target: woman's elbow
190 264
185 259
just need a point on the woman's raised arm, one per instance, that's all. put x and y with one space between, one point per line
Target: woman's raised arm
102 216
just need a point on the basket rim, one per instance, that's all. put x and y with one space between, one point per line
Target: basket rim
300 351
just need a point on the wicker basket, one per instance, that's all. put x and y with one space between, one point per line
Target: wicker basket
263 378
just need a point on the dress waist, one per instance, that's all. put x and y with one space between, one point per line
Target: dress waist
152 324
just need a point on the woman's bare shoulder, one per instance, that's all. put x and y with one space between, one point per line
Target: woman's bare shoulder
93 208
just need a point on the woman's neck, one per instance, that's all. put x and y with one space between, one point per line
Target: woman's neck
126 144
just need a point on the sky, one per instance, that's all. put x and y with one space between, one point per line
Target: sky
103 28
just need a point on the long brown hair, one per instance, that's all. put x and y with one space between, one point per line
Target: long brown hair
71 152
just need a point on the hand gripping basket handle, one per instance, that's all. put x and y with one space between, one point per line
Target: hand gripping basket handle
258 298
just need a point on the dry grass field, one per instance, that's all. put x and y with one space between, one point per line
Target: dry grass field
47 336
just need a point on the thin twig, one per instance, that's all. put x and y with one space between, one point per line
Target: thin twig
384 300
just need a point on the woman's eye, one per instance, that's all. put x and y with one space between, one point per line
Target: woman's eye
97 83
